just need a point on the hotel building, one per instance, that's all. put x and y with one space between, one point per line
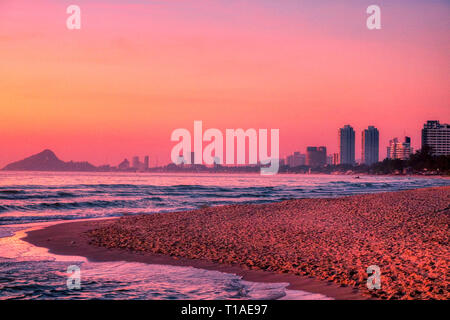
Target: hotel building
436 136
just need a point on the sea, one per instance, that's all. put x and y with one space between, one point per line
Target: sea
32 200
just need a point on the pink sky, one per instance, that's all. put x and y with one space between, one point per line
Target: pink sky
137 70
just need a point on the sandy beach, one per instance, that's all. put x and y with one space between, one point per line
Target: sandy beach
317 245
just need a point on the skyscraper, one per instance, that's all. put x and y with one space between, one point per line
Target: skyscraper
370 145
436 136
399 150
316 156
146 161
346 145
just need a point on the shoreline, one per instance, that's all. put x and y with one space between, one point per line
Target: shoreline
364 174
70 239
316 245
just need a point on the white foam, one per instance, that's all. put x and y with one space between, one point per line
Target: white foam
146 281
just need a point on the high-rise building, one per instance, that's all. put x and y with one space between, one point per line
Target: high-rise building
370 144
192 157
135 162
316 156
436 136
295 160
146 162
399 150
347 145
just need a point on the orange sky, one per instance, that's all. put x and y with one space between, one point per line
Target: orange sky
137 70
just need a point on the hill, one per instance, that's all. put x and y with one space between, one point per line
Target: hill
48 161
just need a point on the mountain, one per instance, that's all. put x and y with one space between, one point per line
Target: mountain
48 161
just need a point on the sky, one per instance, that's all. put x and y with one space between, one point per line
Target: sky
137 70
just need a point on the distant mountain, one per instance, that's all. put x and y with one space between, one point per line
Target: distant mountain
48 161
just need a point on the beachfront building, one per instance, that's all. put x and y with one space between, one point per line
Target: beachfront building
146 162
316 156
399 150
436 136
346 145
370 145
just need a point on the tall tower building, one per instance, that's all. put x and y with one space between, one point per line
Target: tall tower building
146 161
346 145
436 136
370 144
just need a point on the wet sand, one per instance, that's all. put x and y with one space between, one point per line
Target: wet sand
317 245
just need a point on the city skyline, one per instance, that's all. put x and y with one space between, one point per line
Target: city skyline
122 83
224 154
434 134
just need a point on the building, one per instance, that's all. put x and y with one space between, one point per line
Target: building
335 159
399 150
330 159
296 159
316 156
146 163
192 157
370 146
135 162
347 145
124 165
436 136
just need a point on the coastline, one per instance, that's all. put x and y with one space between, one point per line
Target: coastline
402 231
244 173
71 239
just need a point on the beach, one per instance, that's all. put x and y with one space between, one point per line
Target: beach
318 245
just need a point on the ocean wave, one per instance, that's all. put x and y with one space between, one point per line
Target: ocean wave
103 199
